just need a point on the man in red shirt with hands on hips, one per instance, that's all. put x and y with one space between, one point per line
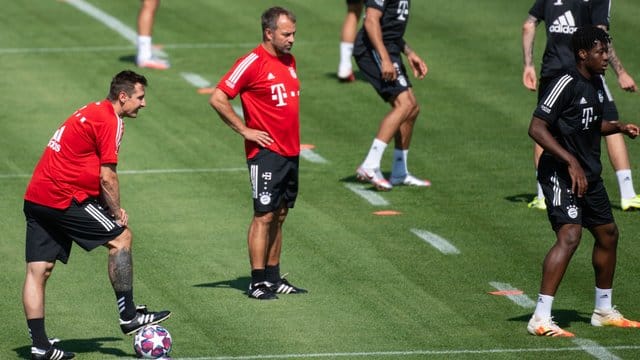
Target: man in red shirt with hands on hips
268 86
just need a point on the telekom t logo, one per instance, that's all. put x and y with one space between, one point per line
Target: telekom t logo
587 117
403 10
279 93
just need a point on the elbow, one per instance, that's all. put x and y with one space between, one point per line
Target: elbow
217 99
533 133
528 28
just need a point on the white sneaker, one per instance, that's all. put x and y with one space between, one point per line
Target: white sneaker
373 176
611 317
409 180
546 327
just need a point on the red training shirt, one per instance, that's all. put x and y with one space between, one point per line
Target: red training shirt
70 164
269 89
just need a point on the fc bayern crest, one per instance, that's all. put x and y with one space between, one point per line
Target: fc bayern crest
572 211
265 198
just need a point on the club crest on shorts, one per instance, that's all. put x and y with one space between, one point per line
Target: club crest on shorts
572 211
265 198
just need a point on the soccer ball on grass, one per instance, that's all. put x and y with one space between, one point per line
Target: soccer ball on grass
152 342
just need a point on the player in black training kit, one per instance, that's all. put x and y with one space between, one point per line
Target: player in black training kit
378 52
562 18
568 123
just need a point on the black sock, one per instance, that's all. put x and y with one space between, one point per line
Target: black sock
272 273
126 306
257 275
37 333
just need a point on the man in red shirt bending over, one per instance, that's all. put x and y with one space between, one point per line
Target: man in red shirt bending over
268 86
74 196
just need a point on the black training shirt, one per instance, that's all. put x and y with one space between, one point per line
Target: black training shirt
395 14
575 107
562 18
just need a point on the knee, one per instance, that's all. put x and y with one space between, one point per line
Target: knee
570 239
409 105
609 236
415 111
122 241
40 270
264 218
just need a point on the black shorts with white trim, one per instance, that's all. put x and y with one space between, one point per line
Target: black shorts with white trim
50 232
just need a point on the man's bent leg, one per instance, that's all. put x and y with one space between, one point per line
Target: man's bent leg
557 259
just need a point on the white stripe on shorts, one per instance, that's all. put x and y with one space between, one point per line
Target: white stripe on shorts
100 217
254 180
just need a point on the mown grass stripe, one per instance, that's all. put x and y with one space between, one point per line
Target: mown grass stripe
436 241
370 196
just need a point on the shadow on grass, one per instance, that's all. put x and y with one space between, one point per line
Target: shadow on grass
79 346
128 59
563 317
241 283
520 198
356 73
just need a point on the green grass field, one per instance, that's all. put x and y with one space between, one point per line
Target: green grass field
377 290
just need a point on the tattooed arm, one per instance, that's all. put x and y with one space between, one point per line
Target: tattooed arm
529 79
418 65
110 192
625 80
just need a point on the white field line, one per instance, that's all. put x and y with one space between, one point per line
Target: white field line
195 80
108 20
111 22
597 351
312 156
521 300
148 171
436 241
584 347
368 195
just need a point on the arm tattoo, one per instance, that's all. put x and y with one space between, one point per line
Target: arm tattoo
615 62
121 270
529 39
407 49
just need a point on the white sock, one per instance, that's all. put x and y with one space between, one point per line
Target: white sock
345 67
540 193
603 298
543 307
372 161
399 168
144 48
625 182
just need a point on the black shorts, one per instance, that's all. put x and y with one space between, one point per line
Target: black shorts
50 232
369 65
355 1
274 179
563 207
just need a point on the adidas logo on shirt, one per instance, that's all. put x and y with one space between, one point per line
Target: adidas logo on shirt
270 76
583 101
564 24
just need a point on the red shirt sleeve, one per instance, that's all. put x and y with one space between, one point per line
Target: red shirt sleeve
239 76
